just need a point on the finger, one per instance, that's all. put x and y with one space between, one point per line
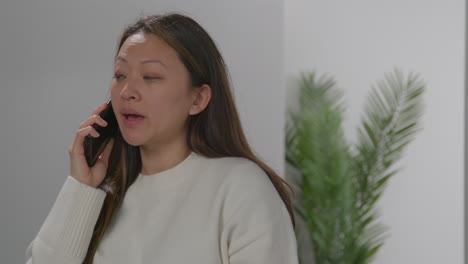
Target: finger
77 145
94 119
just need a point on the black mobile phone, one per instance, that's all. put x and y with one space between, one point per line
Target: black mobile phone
93 147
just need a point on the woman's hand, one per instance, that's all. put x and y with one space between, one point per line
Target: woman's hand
79 168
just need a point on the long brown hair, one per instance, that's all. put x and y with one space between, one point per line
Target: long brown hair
215 132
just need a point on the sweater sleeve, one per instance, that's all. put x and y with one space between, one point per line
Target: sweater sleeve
66 233
257 226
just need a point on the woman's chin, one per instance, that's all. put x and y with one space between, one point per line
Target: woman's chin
132 140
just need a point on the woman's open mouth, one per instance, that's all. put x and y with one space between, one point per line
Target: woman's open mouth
132 120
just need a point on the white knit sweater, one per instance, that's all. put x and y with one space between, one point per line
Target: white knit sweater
204 210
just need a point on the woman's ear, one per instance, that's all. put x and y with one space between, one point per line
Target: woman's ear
202 96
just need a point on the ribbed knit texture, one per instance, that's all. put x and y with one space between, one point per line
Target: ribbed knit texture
203 210
68 227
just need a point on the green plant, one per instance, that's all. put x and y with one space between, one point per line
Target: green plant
339 184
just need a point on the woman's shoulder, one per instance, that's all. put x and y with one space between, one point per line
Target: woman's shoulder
239 175
235 167
230 163
248 193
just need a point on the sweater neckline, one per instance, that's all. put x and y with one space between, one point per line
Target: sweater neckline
172 175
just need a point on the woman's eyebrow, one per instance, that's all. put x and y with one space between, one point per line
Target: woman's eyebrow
120 58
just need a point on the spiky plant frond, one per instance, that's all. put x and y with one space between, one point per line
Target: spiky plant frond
339 186
317 147
390 120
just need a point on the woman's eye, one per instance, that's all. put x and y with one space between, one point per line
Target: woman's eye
118 76
121 76
151 78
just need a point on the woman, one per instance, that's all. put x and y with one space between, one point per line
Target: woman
194 191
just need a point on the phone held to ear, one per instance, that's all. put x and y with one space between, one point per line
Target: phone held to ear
93 147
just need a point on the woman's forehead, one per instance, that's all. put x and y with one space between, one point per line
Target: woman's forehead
146 48
137 38
141 43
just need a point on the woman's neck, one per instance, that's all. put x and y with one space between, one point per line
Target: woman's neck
155 160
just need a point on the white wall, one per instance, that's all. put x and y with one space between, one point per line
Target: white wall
357 42
55 67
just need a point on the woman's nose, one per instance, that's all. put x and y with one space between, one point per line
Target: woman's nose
130 90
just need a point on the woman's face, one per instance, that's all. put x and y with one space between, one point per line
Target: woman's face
150 79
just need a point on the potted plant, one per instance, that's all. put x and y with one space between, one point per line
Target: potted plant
337 184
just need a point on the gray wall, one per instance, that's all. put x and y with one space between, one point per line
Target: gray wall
465 207
55 67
